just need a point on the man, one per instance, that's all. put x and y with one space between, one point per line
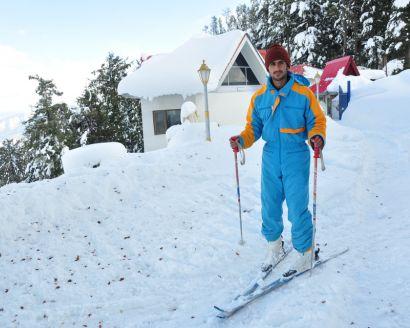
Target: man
285 113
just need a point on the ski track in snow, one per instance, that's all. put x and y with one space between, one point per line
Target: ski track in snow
153 241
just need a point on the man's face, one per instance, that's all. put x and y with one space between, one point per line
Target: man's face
278 70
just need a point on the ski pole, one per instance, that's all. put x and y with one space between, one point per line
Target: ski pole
239 149
316 155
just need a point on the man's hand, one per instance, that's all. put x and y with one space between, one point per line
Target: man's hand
234 141
318 141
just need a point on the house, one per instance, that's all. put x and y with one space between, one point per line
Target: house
166 81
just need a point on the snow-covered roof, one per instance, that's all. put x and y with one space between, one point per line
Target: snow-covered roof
176 72
332 68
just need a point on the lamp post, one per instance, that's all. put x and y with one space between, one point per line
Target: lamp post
204 73
317 80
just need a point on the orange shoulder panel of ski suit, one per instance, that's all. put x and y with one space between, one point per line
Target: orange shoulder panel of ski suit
248 134
319 124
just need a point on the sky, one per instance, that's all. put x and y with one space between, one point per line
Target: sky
67 40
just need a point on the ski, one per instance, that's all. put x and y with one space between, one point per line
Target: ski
240 302
262 275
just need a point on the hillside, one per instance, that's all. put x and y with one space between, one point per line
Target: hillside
151 240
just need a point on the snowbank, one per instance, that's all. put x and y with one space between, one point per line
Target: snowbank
372 74
382 107
92 156
188 134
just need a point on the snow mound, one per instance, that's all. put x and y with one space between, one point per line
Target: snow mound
92 156
382 106
188 111
372 74
189 134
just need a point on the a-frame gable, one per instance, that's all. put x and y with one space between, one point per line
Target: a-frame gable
240 73
245 68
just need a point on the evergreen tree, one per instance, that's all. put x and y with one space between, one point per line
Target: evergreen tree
375 18
398 35
253 23
221 28
213 28
47 132
229 20
12 162
347 28
262 25
316 31
306 46
104 115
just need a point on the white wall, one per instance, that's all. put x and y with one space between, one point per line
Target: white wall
152 141
228 105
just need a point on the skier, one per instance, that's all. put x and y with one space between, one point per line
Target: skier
285 112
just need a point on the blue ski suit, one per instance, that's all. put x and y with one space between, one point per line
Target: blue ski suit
285 118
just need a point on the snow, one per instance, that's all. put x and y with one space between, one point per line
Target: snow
341 80
401 3
306 42
372 74
151 240
293 7
91 156
188 110
389 110
181 66
310 72
395 64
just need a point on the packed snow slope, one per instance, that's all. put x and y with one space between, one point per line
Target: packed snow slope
151 240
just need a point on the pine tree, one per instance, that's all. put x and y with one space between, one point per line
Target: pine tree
221 28
253 23
262 26
375 18
306 47
213 28
12 162
398 35
46 133
105 116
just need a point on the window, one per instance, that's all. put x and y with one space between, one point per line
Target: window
163 119
240 73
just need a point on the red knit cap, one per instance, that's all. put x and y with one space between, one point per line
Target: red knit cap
276 52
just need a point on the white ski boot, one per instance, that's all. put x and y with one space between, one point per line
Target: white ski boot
274 253
302 263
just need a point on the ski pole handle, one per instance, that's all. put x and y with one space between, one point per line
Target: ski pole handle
319 154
